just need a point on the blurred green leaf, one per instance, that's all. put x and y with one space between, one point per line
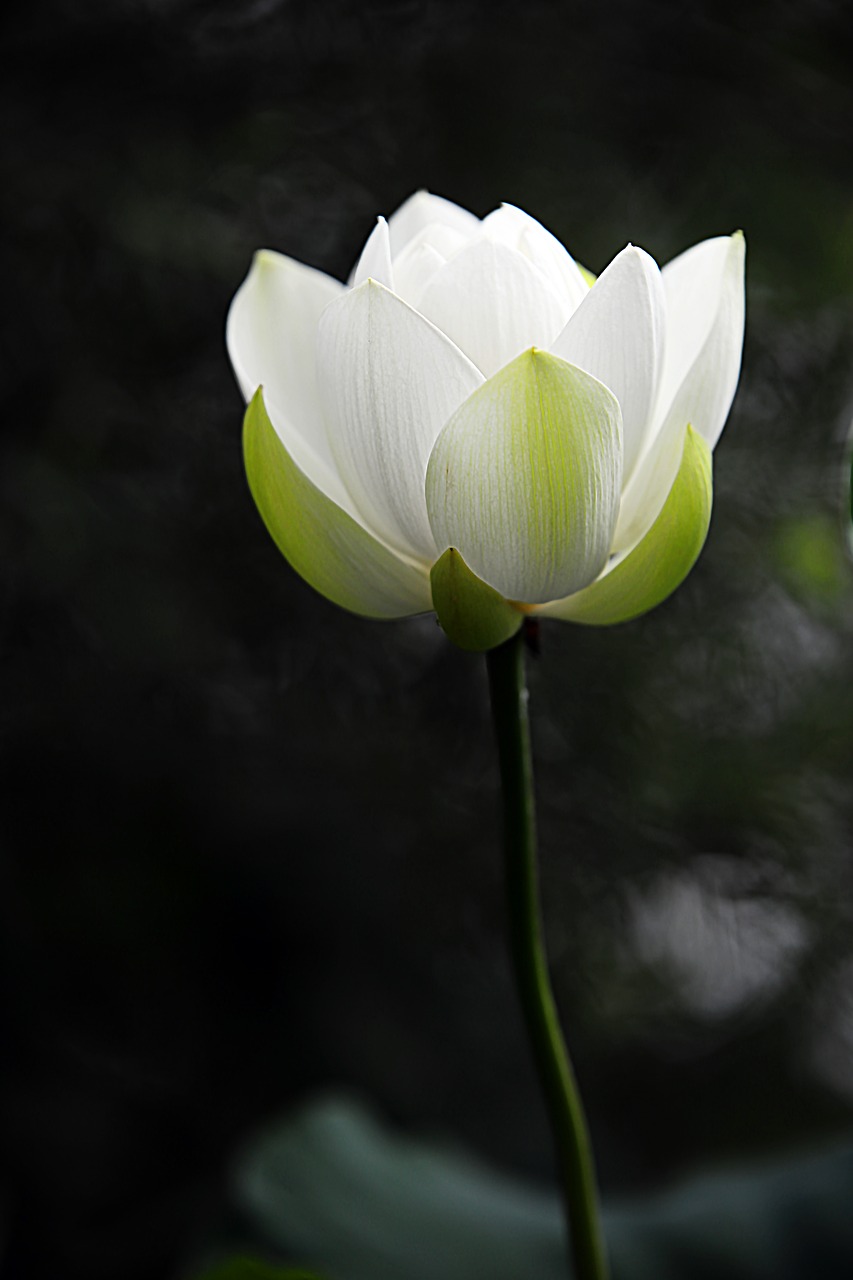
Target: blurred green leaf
811 560
362 1203
252 1269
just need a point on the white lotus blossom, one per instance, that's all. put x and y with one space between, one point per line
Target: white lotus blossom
473 424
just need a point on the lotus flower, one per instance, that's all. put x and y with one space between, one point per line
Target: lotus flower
475 425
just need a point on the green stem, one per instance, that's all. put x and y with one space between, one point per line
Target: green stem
574 1154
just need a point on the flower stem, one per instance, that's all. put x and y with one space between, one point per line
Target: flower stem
574 1154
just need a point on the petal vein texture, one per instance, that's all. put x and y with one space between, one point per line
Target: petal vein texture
524 480
389 382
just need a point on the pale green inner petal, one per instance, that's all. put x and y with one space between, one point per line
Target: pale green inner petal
524 480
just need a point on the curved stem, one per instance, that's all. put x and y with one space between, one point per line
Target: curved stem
574 1154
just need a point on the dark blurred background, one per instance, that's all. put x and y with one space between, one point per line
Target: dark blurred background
250 843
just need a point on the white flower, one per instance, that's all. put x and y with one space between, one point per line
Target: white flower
471 426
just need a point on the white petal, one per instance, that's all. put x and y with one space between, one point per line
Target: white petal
709 276
647 490
389 382
617 335
271 333
414 269
704 334
516 229
493 304
375 260
423 208
446 241
425 254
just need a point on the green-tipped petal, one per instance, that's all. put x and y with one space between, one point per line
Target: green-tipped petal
661 560
525 478
331 551
472 614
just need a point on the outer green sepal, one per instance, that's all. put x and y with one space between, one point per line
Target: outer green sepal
472 614
324 544
662 559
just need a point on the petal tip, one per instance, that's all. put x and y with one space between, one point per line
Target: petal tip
266 259
471 613
634 253
370 285
736 250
